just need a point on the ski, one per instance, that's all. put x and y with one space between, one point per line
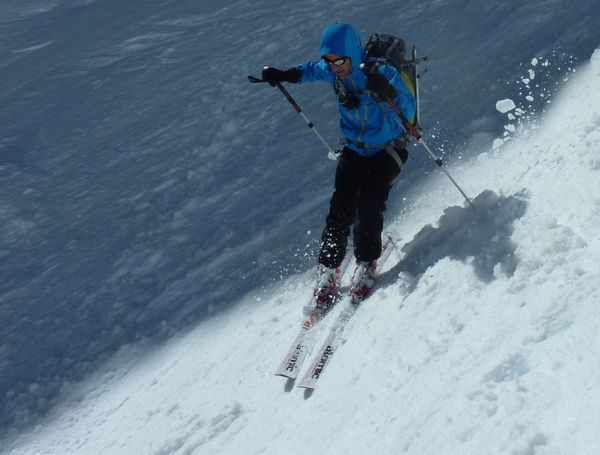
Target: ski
303 343
335 336
296 354
328 348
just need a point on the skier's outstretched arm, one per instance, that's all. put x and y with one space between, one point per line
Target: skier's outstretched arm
312 71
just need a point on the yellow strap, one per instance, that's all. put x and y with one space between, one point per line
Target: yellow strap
406 78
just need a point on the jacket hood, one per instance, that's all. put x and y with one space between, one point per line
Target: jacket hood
342 39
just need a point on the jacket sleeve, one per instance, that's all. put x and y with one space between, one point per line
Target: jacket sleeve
315 70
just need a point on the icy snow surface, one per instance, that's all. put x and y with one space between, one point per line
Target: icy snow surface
149 196
493 349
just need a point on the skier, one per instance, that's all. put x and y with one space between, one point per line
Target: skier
373 154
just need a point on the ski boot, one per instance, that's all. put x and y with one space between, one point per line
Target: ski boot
363 280
324 294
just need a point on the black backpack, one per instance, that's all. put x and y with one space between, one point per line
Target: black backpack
388 48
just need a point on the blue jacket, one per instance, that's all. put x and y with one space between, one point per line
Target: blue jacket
372 123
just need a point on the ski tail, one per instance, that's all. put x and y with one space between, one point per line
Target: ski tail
290 366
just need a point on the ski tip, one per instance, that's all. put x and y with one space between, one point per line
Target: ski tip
389 237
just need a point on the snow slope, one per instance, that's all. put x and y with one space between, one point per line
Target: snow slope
491 348
138 166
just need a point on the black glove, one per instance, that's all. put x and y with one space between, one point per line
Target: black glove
380 87
275 75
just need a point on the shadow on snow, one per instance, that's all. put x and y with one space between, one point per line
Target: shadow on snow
481 237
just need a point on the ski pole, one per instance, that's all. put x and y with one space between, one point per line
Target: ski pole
332 155
417 135
412 130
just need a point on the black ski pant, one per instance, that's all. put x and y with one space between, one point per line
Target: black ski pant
362 186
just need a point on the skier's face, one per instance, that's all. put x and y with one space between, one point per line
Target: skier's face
338 64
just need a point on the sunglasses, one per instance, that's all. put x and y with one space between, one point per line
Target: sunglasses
337 62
